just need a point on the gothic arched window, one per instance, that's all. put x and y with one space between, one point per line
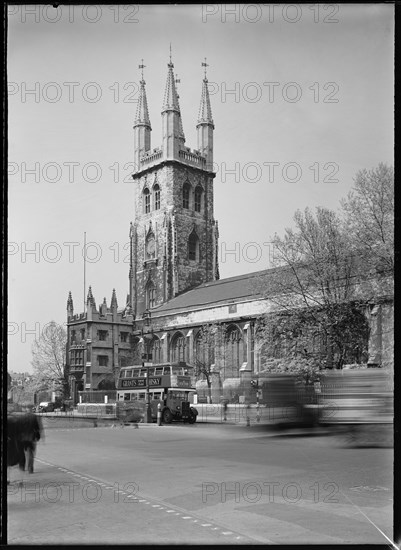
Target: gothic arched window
198 199
150 294
156 197
234 352
193 247
146 200
156 350
186 190
178 348
204 349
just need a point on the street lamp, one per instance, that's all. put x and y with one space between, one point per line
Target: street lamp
148 409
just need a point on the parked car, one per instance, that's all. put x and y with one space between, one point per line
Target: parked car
46 406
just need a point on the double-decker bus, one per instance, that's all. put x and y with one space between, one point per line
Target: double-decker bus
164 384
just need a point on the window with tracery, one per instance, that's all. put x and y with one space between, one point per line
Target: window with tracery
150 295
156 350
198 199
204 349
178 349
234 352
146 196
156 194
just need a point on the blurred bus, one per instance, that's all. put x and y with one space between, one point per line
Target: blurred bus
360 401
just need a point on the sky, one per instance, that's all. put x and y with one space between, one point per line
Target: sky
301 96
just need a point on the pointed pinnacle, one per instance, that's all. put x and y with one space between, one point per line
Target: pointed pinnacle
142 111
205 110
170 94
113 299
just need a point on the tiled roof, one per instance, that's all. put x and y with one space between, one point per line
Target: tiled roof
230 290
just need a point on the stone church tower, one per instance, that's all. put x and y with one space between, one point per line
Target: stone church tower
174 236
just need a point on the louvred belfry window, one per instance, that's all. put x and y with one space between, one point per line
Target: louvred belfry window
156 192
150 295
198 199
146 196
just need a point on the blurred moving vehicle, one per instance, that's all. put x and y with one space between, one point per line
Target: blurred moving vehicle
46 406
289 404
359 402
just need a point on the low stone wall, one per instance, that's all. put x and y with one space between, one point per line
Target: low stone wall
239 413
72 421
100 414
97 410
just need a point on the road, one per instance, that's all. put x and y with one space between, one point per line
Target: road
211 484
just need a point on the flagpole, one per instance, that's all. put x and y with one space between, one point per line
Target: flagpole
84 270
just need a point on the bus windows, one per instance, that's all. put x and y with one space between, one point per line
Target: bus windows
143 372
158 371
157 395
142 395
179 370
128 374
175 395
127 396
135 373
166 370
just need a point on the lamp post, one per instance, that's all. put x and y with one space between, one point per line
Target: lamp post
147 321
148 409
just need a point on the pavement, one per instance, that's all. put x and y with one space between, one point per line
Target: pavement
200 484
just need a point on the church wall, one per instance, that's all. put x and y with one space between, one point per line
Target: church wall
212 314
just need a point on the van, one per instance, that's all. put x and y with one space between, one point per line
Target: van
46 406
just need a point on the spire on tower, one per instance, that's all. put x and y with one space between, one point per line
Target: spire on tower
170 94
113 302
205 126
205 110
181 129
173 133
142 112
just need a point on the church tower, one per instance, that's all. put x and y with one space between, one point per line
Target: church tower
174 236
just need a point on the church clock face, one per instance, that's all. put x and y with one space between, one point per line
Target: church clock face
150 248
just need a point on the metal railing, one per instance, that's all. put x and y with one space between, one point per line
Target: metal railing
97 396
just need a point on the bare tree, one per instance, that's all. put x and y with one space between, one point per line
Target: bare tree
49 357
204 356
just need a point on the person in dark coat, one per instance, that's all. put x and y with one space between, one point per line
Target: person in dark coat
23 433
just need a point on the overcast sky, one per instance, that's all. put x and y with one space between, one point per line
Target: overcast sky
301 98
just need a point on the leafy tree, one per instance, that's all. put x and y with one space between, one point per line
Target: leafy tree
314 284
49 358
369 217
306 370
